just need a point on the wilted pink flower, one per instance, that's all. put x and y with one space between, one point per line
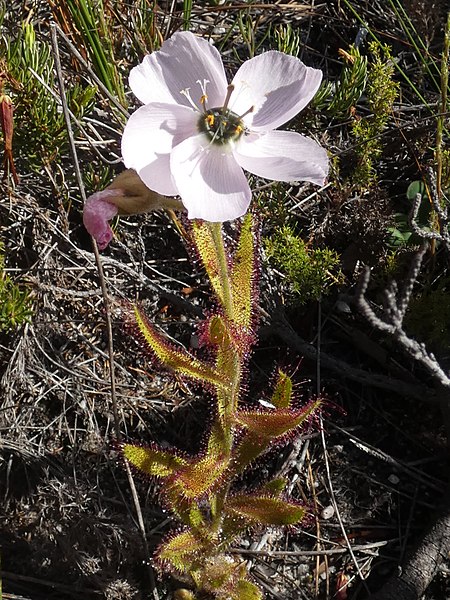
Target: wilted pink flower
195 133
126 195
98 210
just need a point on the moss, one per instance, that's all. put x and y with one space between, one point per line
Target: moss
310 272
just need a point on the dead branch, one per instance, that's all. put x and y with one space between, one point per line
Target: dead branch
423 562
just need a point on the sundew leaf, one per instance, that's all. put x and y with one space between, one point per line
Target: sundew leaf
265 427
198 477
218 441
272 424
265 510
232 526
186 509
242 275
180 551
246 590
177 359
275 487
152 462
206 248
282 393
247 450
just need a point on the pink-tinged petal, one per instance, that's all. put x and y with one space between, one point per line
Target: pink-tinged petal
182 60
96 214
283 156
277 85
211 184
149 136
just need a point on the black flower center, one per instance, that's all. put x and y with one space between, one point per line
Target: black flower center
221 125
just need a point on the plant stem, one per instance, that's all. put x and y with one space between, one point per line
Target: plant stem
443 108
216 233
231 363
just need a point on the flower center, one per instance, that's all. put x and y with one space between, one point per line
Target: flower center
221 125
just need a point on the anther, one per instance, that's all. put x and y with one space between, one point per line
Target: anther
204 96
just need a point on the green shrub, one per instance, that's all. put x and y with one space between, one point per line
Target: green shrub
15 303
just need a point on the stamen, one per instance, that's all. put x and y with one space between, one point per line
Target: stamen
204 96
230 90
186 92
250 110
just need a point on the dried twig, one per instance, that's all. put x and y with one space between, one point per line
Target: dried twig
443 218
391 321
281 328
422 564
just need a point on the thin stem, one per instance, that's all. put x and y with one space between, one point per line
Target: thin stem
230 362
216 233
440 120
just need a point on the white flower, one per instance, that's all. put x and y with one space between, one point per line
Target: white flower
195 133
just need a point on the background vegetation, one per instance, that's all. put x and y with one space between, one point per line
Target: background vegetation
69 526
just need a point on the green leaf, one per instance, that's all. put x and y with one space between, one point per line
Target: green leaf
245 590
177 359
180 551
414 188
265 510
425 207
272 424
243 274
150 461
282 394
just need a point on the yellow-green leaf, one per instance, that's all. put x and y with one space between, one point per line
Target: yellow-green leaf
207 250
177 359
282 394
265 510
242 275
180 551
275 423
150 461
198 477
245 590
247 450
